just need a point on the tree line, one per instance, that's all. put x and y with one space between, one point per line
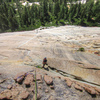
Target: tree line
16 17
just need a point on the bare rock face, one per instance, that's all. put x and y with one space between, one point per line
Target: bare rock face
28 79
48 80
19 77
24 95
77 69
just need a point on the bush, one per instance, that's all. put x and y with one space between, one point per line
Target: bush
81 49
62 22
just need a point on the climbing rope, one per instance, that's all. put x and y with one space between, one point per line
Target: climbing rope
35 87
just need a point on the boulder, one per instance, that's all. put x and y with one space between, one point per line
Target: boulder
28 79
46 91
90 90
52 98
6 95
31 89
78 87
80 84
69 82
52 87
40 82
39 87
48 80
39 77
24 95
3 96
14 92
19 77
2 81
9 87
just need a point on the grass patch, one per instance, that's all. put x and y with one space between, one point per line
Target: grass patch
39 67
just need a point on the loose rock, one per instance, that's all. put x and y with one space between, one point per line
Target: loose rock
46 91
2 81
5 95
39 87
97 89
31 89
39 77
52 87
15 93
24 95
29 78
78 87
48 80
9 87
40 82
19 77
69 82
90 90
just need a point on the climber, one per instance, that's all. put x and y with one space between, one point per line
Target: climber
44 62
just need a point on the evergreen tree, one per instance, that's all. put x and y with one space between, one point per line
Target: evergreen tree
13 24
32 15
51 10
25 17
57 8
41 12
4 16
46 10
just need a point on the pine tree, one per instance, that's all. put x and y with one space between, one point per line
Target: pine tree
4 16
46 10
25 16
13 24
41 12
32 15
19 10
51 10
57 8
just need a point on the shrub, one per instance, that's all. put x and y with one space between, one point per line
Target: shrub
62 22
81 49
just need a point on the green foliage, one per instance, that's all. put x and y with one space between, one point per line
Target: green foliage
81 49
62 22
39 67
16 17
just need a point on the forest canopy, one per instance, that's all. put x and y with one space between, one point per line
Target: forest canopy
16 17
